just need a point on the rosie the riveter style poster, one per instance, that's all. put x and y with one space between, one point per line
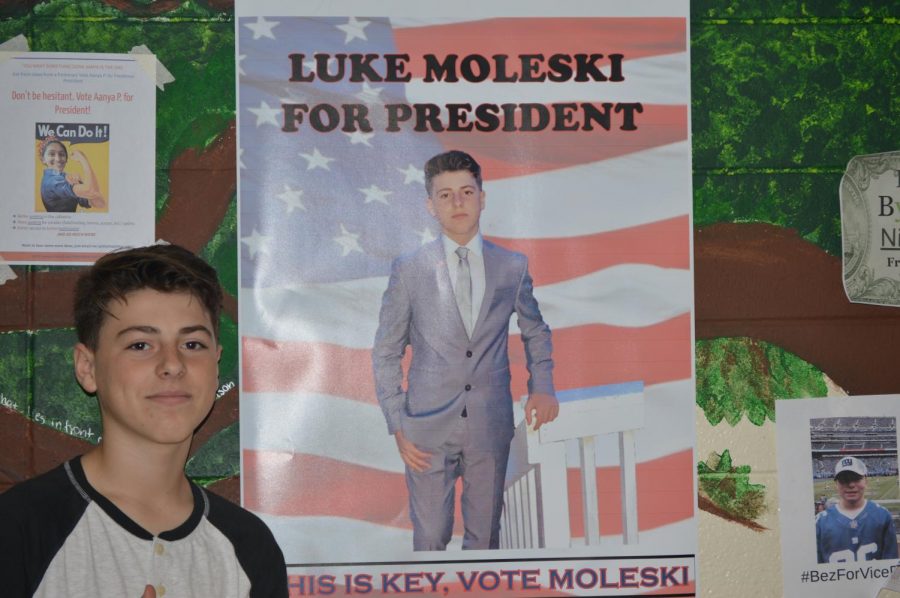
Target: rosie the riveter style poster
579 121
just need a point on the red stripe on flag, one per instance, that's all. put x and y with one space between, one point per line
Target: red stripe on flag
665 244
634 37
502 155
584 356
285 366
303 485
595 354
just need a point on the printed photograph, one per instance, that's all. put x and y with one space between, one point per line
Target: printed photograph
855 485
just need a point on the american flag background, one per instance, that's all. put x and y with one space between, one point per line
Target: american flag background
603 216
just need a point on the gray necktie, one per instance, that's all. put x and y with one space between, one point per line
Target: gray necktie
464 288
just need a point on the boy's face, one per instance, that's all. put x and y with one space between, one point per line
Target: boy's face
456 202
851 488
155 368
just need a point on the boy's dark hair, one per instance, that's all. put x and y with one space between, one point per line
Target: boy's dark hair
449 162
163 268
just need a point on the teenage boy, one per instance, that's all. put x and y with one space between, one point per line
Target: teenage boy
854 529
451 302
123 521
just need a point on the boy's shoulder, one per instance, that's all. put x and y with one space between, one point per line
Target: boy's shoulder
41 496
36 518
253 543
876 510
231 518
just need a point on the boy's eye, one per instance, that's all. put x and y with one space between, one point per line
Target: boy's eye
139 346
195 345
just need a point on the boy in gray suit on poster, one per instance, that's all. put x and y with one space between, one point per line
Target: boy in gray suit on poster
451 302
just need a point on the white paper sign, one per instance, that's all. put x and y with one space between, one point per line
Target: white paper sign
78 157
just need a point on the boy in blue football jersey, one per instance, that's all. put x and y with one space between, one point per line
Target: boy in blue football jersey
854 529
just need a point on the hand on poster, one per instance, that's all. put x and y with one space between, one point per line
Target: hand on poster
149 592
545 408
413 456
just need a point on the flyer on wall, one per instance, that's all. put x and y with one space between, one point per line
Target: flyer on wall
839 499
79 158
396 318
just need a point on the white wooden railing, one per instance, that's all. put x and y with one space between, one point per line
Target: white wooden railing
536 508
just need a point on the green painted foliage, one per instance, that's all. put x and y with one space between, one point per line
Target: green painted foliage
743 377
59 402
783 97
764 10
15 370
228 363
729 487
222 250
218 458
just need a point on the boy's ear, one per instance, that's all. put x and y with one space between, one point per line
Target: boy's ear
84 368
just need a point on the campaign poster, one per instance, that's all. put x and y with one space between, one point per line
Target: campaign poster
79 156
839 494
352 321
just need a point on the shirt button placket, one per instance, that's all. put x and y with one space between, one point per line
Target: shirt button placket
159 567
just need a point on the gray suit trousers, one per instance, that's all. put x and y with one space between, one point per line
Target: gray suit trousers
432 493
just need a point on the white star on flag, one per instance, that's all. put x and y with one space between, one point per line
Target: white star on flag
241 155
354 29
240 58
369 94
360 137
316 160
255 242
426 236
265 114
373 193
348 241
262 28
291 199
412 174
290 95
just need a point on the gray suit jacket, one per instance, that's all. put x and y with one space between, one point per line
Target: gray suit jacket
449 371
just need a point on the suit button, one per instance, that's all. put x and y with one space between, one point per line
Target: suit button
468 354
468 387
